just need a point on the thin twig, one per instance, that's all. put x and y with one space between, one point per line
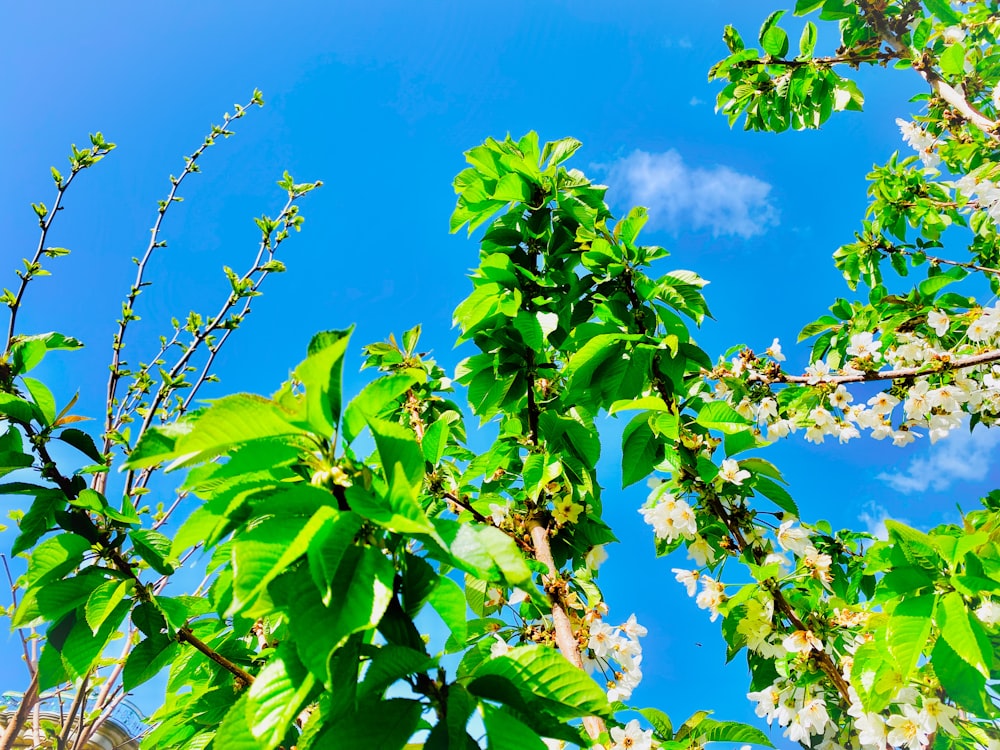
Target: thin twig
202 335
79 704
945 261
118 342
27 276
13 596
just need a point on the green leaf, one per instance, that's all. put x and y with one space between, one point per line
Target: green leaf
375 400
775 493
43 399
963 683
692 723
234 731
320 373
943 10
806 6
532 677
83 646
91 500
807 42
652 403
738 442
327 547
359 594
28 351
82 442
55 557
448 601
640 450
710 730
50 601
775 41
504 732
484 552
918 547
148 658
874 676
435 441
391 663
934 284
157 444
103 601
268 549
908 630
512 187
963 633
718 415
660 721
15 408
154 548
230 422
276 697
528 325
403 464
952 60
556 152
379 725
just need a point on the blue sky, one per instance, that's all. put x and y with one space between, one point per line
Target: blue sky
379 100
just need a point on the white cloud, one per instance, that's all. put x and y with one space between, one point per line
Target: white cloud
962 456
680 196
695 101
874 517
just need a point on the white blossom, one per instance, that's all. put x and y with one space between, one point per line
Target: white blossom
730 472
712 596
817 372
988 612
500 647
595 557
774 351
793 539
499 513
701 551
631 737
954 35
802 642
871 730
938 321
909 729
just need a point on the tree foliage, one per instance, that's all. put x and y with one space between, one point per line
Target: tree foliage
334 527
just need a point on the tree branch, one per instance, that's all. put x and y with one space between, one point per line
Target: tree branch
555 587
184 635
934 260
948 93
906 372
16 723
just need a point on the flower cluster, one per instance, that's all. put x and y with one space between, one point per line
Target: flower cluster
802 711
910 726
933 405
920 141
986 193
670 517
616 649
712 595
